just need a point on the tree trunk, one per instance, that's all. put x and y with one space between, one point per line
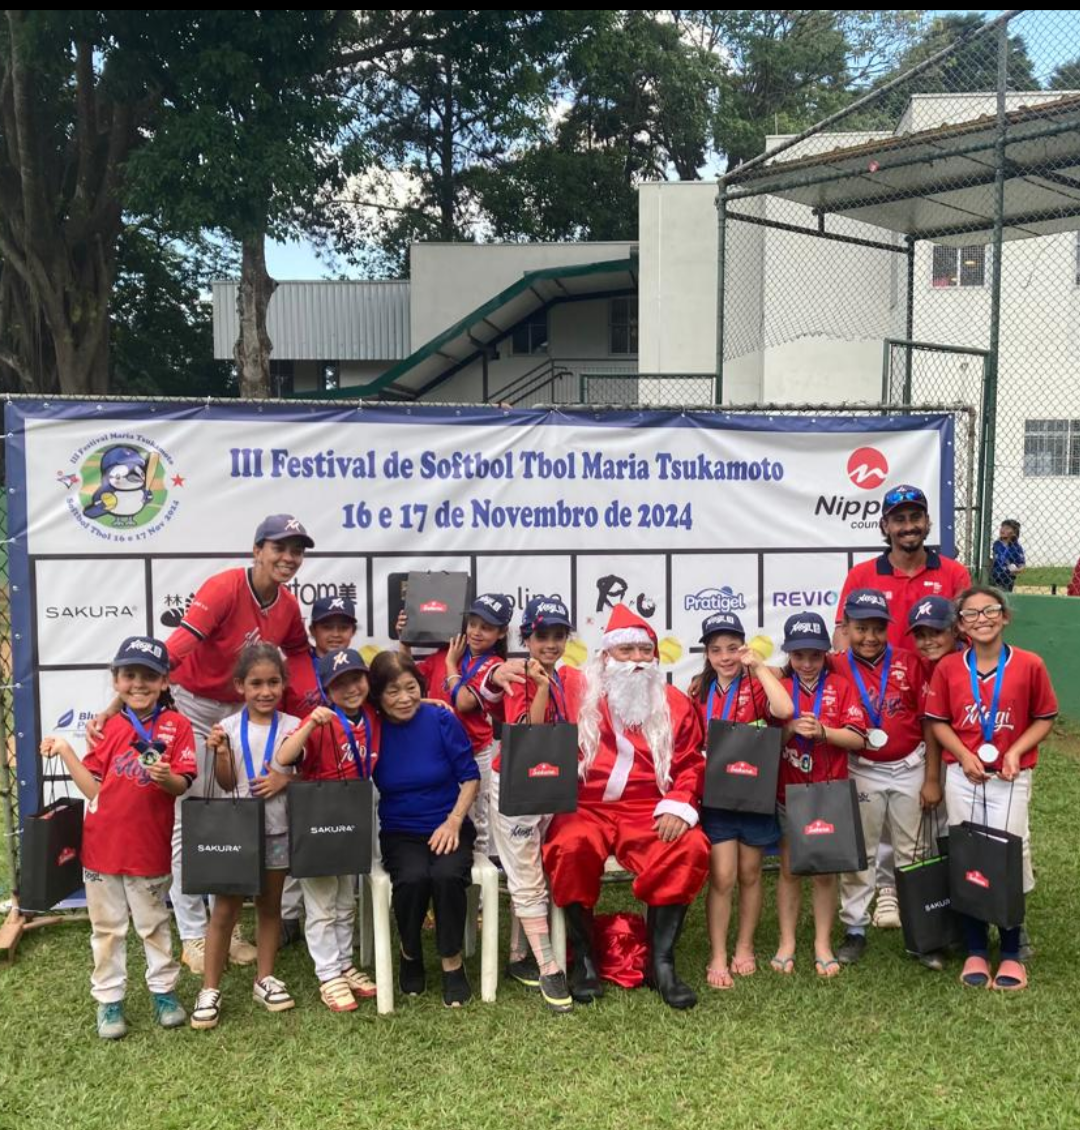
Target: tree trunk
253 346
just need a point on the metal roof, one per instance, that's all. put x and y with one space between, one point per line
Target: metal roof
323 321
938 184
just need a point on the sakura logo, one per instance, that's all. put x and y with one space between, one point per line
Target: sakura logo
867 468
340 659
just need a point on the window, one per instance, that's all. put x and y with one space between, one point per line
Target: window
959 266
331 375
623 335
281 379
531 335
1051 447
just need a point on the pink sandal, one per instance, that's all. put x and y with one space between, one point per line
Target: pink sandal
719 978
1011 977
976 973
744 966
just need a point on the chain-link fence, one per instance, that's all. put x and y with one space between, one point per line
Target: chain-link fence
939 215
8 821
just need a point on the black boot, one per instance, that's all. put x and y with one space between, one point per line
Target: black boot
585 984
664 924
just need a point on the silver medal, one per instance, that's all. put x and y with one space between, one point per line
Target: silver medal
988 753
877 739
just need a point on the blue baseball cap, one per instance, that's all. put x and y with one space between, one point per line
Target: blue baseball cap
334 664
143 651
721 622
127 456
932 612
327 606
806 631
902 495
494 607
281 527
867 604
545 612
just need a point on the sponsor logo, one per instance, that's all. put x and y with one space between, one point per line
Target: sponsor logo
867 468
923 610
146 647
806 598
331 829
941 904
221 848
544 769
337 602
66 856
434 606
91 612
715 600
870 598
554 609
741 769
979 879
119 483
858 513
341 659
809 627
489 602
819 828
293 524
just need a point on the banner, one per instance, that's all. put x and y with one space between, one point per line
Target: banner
119 511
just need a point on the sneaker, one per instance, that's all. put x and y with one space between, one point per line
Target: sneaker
360 983
207 1010
456 990
525 971
272 995
111 1024
851 949
168 1011
194 955
241 952
887 910
292 931
411 979
934 961
337 996
556 992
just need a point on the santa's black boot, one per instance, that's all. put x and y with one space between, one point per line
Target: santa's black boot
585 984
664 924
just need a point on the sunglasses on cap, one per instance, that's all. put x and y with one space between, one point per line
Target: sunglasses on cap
900 496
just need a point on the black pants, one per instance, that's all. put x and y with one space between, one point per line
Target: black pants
421 878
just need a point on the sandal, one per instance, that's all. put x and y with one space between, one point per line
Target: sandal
719 977
337 996
827 967
744 966
976 973
781 964
1011 976
360 983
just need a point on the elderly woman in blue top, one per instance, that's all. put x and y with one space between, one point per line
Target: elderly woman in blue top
427 778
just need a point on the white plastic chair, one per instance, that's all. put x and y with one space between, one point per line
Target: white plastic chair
375 937
613 873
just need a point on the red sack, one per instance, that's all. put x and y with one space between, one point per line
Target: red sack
620 948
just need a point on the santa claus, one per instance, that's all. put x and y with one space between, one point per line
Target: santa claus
639 763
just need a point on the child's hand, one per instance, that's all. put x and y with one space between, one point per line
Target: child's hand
1010 766
508 673
159 772
930 794
749 658
973 769
456 651
322 716
807 726
270 785
53 746
535 670
694 689
217 740
95 728
402 620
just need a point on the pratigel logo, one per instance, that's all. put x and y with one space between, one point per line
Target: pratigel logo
715 600
544 769
742 769
120 482
331 829
979 879
867 468
221 848
819 828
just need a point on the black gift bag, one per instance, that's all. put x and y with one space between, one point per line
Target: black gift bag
742 765
330 827
824 829
435 606
922 889
50 867
539 766
986 870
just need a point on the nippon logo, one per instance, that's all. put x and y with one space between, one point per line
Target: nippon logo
742 769
979 879
867 468
544 769
819 828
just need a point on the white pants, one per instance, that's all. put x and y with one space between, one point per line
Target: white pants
478 813
202 713
112 900
292 898
519 841
888 798
329 912
1006 807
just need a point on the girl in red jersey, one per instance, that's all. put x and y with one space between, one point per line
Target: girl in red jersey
991 705
736 686
828 724
144 760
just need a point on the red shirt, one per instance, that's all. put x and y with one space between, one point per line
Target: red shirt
223 618
1026 695
328 753
751 705
302 690
518 699
902 709
940 576
129 824
477 723
802 763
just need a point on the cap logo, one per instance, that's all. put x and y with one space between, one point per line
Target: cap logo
869 598
924 609
293 524
145 647
556 608
337 602
495 605
340 659
806 626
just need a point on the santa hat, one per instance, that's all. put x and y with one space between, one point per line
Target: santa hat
626 627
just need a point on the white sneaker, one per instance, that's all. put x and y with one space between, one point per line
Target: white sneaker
207 1010
241 952
194 955
887 910
272 995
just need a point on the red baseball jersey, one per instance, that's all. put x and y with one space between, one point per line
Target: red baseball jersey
224 617
940 576
302 689
1026 695
750 705
477 723
129 824
563 699
803 762
902 706
328 753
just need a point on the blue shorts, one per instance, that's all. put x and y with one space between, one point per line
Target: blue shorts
751 828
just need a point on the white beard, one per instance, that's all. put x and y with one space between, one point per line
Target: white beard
635 691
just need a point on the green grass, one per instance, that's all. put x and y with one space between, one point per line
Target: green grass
1045 575
887 1045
